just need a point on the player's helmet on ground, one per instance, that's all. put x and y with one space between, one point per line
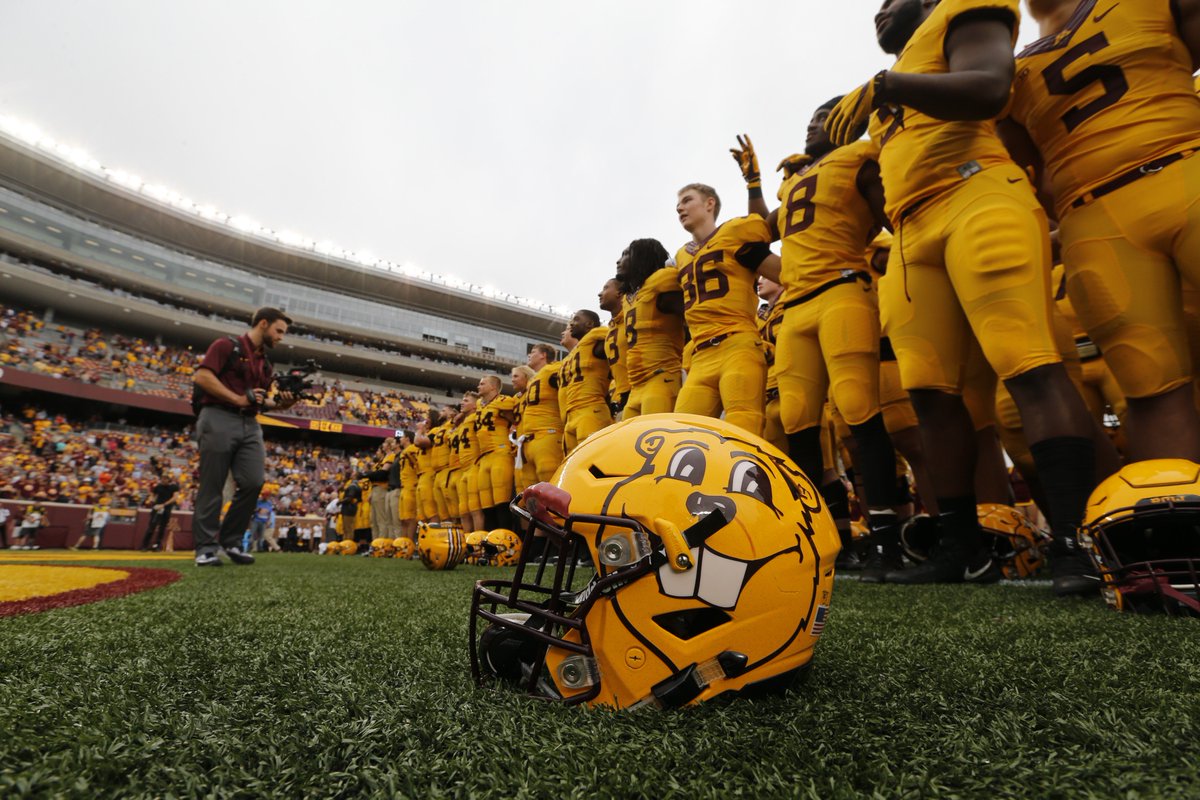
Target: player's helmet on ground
382 548
1142 529
333 549
403 547
503 547
349 547
476 554
672 558
1017 544
440 547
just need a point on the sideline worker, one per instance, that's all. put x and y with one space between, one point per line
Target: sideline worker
233 382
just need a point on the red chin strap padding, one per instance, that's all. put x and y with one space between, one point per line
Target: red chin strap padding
544 499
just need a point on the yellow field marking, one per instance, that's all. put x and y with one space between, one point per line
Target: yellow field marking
23 581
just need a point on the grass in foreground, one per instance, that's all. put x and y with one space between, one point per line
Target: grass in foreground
324 677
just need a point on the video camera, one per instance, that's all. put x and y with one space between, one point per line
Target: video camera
295 382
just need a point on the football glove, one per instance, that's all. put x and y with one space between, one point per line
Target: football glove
793 164
747 161
845 121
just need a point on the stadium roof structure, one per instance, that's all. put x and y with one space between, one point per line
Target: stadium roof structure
62 178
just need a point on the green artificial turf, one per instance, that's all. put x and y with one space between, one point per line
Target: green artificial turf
337 677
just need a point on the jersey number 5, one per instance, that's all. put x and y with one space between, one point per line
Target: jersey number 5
1111 77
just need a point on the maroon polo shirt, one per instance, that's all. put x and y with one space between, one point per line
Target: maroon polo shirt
250 371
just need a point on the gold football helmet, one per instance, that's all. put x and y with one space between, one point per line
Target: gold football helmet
1018 545
503 547
403 547
382 548
333 549
672 559
349 547
440 547
1142 530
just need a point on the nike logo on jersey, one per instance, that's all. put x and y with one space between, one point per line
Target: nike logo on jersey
1099 17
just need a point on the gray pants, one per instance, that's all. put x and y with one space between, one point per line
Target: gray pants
380 525
229 442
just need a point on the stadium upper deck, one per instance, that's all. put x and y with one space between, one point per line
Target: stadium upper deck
54 211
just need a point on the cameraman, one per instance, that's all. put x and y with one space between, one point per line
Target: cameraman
233 383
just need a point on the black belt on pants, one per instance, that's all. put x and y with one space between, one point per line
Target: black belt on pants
1137 173
713 342
847 277
772 394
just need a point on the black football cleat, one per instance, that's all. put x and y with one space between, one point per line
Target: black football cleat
1071 570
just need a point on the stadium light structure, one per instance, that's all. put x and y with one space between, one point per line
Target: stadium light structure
79 159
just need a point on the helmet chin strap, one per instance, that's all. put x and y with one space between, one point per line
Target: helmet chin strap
688 683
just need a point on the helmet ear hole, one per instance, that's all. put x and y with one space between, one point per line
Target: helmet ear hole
692 622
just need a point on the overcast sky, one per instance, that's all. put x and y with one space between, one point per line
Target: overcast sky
515 144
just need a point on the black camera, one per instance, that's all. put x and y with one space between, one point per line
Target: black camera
295 380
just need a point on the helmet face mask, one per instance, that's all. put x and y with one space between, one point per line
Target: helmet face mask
1016 543
1143 534
673 558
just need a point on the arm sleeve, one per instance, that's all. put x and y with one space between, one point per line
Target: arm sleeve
752 254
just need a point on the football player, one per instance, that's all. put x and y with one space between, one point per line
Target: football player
540 437
427 509
725 364
438 440
583 380
493 420
971 261
520 376
612 301
408 458
469 502
653 327
1104 106
770 314
828 342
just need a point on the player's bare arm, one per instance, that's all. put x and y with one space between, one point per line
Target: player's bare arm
870 186
1027 156
1187 17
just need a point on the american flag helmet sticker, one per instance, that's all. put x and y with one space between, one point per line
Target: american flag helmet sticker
819 620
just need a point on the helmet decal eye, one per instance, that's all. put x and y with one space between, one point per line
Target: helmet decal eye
750 479
687 464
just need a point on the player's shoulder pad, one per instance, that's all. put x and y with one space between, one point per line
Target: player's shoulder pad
750 228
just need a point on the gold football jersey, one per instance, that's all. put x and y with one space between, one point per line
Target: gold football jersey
491 427
408 465
653 339
465 443
824 221
583 379
920 156
425 459
1110 92
539 406
439 451
718 291
614 346
768 328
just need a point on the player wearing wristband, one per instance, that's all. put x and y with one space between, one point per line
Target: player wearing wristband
970 262
828 343
726 367
653 327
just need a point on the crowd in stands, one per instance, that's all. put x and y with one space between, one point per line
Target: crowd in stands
296 334
60 459
138 365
